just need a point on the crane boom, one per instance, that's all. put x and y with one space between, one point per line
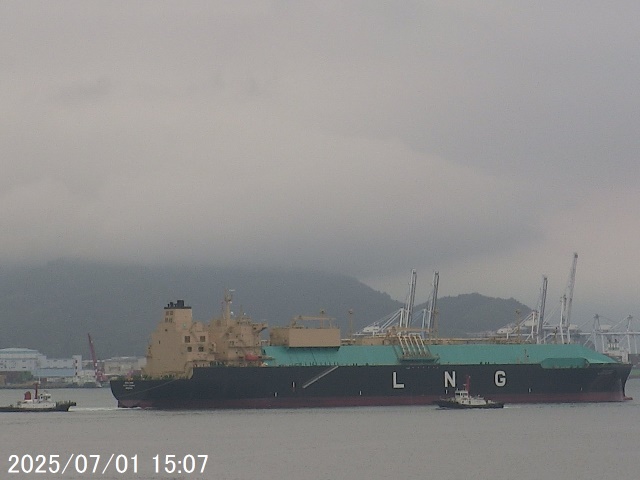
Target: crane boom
567 300
541 306
99 374
408 309
431 325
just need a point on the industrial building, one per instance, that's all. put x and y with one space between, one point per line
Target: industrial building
20 362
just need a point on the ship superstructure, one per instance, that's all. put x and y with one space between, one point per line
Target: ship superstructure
180 344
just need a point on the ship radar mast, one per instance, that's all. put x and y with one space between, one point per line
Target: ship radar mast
228 299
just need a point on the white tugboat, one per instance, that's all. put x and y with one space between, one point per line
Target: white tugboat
40 402
462 399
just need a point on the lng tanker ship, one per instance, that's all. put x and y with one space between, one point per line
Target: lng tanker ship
226 364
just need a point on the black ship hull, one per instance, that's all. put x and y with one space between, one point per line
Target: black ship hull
220 387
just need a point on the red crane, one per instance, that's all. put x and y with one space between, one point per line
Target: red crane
100 376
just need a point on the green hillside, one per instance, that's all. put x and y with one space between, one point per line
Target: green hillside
53 307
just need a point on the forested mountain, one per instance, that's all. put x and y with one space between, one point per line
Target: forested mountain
53 307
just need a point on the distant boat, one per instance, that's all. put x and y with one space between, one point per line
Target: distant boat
462 399
40 402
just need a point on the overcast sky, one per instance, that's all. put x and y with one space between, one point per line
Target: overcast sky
485 140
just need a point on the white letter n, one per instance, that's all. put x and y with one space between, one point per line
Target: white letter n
449 379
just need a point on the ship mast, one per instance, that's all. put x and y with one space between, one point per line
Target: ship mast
228 298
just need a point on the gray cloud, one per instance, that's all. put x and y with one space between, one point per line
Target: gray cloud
486 140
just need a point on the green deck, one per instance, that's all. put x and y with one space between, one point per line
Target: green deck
550 356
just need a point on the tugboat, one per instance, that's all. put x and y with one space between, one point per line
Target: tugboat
40 402
462 399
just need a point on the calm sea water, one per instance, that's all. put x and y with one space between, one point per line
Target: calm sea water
537 442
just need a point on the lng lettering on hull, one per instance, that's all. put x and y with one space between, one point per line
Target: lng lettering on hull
500 379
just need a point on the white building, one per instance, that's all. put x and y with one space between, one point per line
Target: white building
20 360
27 360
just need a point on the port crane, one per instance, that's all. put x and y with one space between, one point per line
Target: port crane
429 316
531 328
567 299
618 340
540 311
406 315
404 318
548 333
99 374
535 327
